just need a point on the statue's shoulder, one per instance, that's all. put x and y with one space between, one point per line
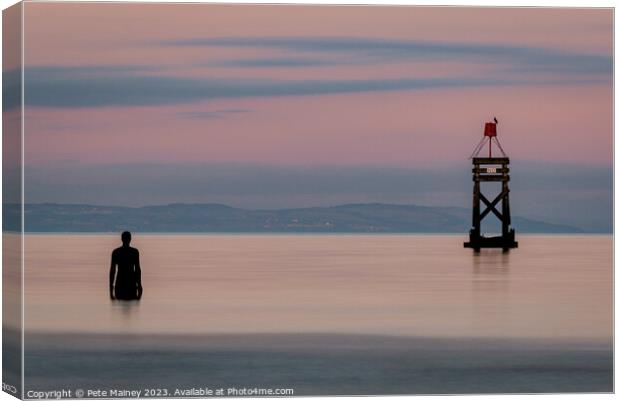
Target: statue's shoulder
115 253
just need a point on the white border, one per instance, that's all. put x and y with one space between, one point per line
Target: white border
477 3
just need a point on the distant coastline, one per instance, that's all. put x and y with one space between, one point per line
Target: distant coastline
367 218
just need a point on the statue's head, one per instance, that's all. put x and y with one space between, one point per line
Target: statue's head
126 238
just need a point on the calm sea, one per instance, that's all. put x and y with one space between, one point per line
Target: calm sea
324 314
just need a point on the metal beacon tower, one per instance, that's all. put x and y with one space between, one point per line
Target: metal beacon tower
491 169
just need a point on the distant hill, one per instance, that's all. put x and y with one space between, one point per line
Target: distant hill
196 218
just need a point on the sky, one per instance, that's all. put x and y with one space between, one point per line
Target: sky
269 106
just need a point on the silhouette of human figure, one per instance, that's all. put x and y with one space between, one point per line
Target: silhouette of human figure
125 274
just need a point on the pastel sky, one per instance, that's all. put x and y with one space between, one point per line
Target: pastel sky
285 106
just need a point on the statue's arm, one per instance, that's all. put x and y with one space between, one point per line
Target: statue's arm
112 276
138 275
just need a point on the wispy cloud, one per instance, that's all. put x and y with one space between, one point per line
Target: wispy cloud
55 87
276 62
538 59
68 90
212 114
89 70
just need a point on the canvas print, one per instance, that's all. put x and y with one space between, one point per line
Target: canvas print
206 200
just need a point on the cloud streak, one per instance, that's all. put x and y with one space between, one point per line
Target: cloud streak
55 87
212 114
520 57
276 62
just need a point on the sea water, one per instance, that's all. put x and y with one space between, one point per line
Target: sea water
323 314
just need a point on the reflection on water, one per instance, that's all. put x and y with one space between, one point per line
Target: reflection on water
490 270
550 287
124 313
490 261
